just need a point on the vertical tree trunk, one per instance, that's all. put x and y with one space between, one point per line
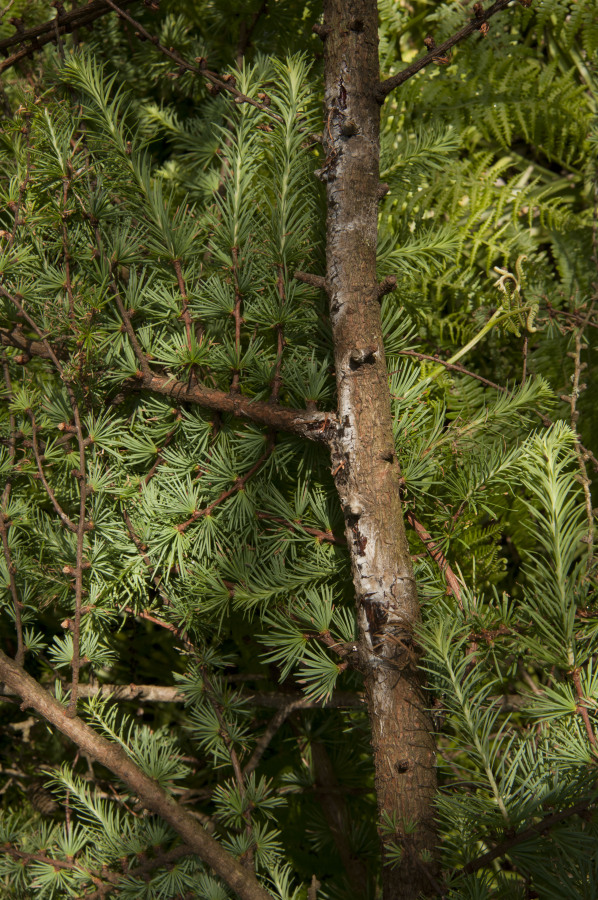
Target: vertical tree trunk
364 462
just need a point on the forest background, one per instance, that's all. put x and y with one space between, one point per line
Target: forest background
171 525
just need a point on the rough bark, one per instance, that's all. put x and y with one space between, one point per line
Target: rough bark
364 462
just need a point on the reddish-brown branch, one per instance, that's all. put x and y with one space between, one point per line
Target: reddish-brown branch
126 318
582 706
178 632
185 315
165 444
326 536
223 83
66 521
151 795
239 485
437 555
440 52
315 426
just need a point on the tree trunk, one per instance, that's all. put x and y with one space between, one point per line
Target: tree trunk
364 462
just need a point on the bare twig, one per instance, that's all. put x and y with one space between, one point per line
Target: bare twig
273 726
576 389
456 367
66 520
280 342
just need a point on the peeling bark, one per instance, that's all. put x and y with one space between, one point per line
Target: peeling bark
364 462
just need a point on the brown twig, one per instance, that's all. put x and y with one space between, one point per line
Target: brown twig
437 555
582 706
280 342
317 281
327 536
440 52
239 485
223 83
144 365
66 520
576 389
265 739
246 33
315 426
456 367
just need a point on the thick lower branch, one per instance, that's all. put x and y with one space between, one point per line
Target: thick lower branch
151 795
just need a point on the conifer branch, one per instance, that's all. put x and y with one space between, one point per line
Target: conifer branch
151 795
5 522
437 555
221 82
64 518
327 536
527 834
315 426
436 54
14 337
52 31
157 693
317 281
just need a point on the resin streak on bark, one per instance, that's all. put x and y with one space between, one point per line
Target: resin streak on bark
363 456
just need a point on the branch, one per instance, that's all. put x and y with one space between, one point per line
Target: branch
51 31
151 795
385 87
457 367
222 83
436 554
158 693
526 835
327 536
311 425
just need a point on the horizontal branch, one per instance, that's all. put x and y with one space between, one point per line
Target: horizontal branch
221 83
385 87
14 337
158 693
316 426
150 794
312 425
50 31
